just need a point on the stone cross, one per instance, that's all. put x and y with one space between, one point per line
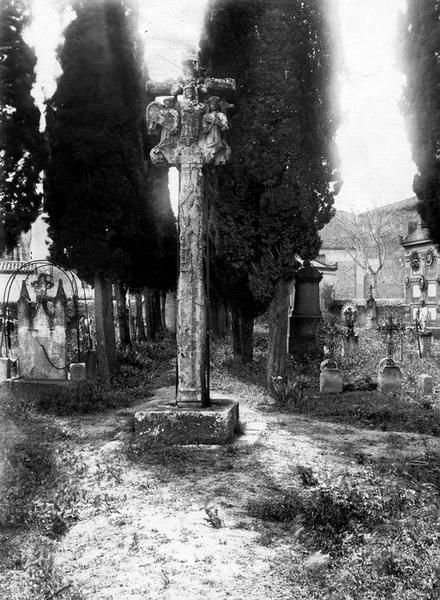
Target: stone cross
391 326
191 136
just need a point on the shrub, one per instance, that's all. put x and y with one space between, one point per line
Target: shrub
288 394
331 514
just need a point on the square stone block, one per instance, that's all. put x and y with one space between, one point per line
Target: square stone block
424 384
77 371
389 379
330 381
5 369
162 423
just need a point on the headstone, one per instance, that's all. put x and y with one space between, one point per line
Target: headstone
42 350
77 371
306 314
349 315
5 369
330 381
424 384
425 343
371 309
351 344
389 377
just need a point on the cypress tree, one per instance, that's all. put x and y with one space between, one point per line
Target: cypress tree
22 145
420 39
100 219
278 190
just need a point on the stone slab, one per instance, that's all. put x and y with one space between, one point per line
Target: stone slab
389 379
425 344
34 389
77 371
161 422
424 384
5 369
330 381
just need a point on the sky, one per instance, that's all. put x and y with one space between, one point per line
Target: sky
375 155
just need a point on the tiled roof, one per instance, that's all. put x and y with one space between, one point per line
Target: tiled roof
407 203
12 266
336 234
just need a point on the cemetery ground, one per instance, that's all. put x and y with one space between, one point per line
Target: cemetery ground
329 497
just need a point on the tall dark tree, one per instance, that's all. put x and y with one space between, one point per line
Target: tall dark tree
420 38
22 145
278 191
100 219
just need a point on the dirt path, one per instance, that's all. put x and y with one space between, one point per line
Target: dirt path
174 524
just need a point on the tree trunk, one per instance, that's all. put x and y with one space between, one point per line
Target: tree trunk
218 318
170 312
163 299
246 337
236 337
278 321
101 350
131 321
109 324
122 312
157 311
149 314
140 328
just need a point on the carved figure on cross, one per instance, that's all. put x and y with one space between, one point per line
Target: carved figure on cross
192 122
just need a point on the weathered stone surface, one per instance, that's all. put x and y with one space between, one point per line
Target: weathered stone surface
191 137
330 381
389 379
77 371
5 369
425 343
42 351
424 384
351 345
166 424
34 389
191 296
306 314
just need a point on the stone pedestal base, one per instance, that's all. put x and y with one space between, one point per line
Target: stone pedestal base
389 379
163 423
302 335
330 381
77 371
5 369
424 384
37 389
425 344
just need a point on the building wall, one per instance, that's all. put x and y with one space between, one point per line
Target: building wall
345 279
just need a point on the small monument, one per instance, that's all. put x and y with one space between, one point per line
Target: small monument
425 384
306 314
351 338
42 350
191 137
424 336
371 309
328 335
389 378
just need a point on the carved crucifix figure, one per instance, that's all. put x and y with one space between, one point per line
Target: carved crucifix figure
194 142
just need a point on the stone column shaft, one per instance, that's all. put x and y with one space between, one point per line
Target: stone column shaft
191 293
